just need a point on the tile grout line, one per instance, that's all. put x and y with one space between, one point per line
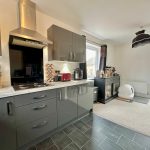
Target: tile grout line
133 137
119 138
54 142
85 143
72 140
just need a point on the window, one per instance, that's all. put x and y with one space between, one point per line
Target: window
92 59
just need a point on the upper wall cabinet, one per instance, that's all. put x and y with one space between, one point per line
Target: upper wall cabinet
79 47
0 44
67 46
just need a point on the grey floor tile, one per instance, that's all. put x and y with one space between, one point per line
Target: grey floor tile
72 146
79 138
125 132
96 124
91 145
83 127
87 118
90 123
109 145
61 140
69 129
111 134
124 142
135 146
44 145
95 134
108 124
142 140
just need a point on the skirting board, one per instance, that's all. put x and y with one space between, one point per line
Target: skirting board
124 99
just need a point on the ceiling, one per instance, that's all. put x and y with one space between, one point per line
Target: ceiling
115 20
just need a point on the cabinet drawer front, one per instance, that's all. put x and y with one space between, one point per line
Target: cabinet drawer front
35 129
35 111
34 97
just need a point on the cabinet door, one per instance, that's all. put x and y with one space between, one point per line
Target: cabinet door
62 43
79 48
67 105
7 124
85 99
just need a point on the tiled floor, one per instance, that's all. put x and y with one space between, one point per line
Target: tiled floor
95 133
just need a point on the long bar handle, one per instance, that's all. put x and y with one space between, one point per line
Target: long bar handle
40 97
9 108
60 95
40 107
40 125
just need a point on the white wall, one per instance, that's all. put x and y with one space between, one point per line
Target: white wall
133 64
9 21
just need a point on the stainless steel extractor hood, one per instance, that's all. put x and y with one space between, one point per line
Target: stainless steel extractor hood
27 35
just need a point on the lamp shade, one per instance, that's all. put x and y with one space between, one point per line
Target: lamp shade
140 39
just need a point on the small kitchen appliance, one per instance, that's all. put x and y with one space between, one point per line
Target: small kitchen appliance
65 77
78 74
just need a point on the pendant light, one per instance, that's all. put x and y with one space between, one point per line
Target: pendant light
141 39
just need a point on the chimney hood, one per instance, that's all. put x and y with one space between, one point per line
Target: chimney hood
26 35
140 39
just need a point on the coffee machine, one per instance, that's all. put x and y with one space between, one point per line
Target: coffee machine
78 74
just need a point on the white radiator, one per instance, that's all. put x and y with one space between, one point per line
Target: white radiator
139 87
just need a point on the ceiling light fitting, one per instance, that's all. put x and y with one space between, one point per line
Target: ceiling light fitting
140 39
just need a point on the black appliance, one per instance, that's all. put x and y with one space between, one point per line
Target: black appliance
78 74
82 66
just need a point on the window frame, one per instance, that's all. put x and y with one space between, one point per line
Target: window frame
95 48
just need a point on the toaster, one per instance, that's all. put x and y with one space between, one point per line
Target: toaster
65 77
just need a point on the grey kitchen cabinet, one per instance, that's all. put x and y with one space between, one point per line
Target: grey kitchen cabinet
36 115
79 48
7 124
0 44
67 105
62 43
67 46
85 99
35 129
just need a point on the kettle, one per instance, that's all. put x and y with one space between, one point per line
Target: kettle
78 74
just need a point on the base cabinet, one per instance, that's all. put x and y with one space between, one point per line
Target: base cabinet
7 124
67 105
26 118
36 115
85 99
